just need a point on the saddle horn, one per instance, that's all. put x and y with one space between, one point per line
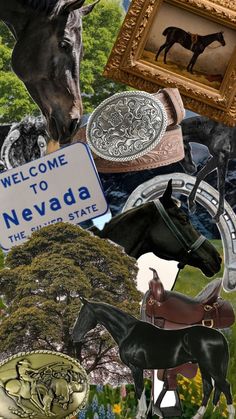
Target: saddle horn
156 287
155 274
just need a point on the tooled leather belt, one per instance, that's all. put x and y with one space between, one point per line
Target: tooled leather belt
169 149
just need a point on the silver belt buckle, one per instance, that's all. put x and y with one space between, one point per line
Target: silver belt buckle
126 126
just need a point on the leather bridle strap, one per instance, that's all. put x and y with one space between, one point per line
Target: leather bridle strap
172 227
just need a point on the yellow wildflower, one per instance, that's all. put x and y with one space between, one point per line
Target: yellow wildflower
117 408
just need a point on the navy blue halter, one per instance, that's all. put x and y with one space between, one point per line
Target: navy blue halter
188 247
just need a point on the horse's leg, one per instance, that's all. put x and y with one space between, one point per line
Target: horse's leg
47 402
207 389
18 400
168 47
222 170
222 385
192 62
139 391
160 49
208 168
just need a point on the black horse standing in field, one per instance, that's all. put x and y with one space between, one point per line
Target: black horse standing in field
144 346
221 142
192 42
149 228
47 56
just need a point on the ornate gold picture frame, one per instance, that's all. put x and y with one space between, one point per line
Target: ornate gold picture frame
202 65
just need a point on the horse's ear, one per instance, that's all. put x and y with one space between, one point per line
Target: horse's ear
88 9
168 192
83 300
71 5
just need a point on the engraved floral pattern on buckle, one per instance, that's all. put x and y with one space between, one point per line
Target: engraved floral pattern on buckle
42 385
126 126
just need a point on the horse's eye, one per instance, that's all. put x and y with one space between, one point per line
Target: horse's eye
64 45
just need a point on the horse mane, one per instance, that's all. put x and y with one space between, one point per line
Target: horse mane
45 6
124 216
114 308
130 216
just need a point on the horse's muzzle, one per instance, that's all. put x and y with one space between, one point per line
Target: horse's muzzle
211 269
60 132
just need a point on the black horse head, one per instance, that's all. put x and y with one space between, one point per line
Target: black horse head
47 57
85 322
220 38
169 247
142 230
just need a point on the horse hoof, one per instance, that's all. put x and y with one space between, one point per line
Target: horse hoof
231 411
141 415
49 414
200 413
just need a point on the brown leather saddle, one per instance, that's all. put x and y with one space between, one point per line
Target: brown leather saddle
173 310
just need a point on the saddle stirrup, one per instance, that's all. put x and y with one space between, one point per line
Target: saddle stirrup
168 411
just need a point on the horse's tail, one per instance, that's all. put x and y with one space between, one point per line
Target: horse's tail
223 367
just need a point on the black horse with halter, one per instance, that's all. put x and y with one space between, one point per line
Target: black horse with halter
188 247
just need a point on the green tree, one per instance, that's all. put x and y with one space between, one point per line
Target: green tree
100 30
41 287
15 101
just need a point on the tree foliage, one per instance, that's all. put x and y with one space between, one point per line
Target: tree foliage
15 101
41 286
100 30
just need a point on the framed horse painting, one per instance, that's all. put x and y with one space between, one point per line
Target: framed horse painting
189 44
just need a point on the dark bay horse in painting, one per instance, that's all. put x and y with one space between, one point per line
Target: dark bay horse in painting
47 56
192 42
221 142
144 346
143 229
